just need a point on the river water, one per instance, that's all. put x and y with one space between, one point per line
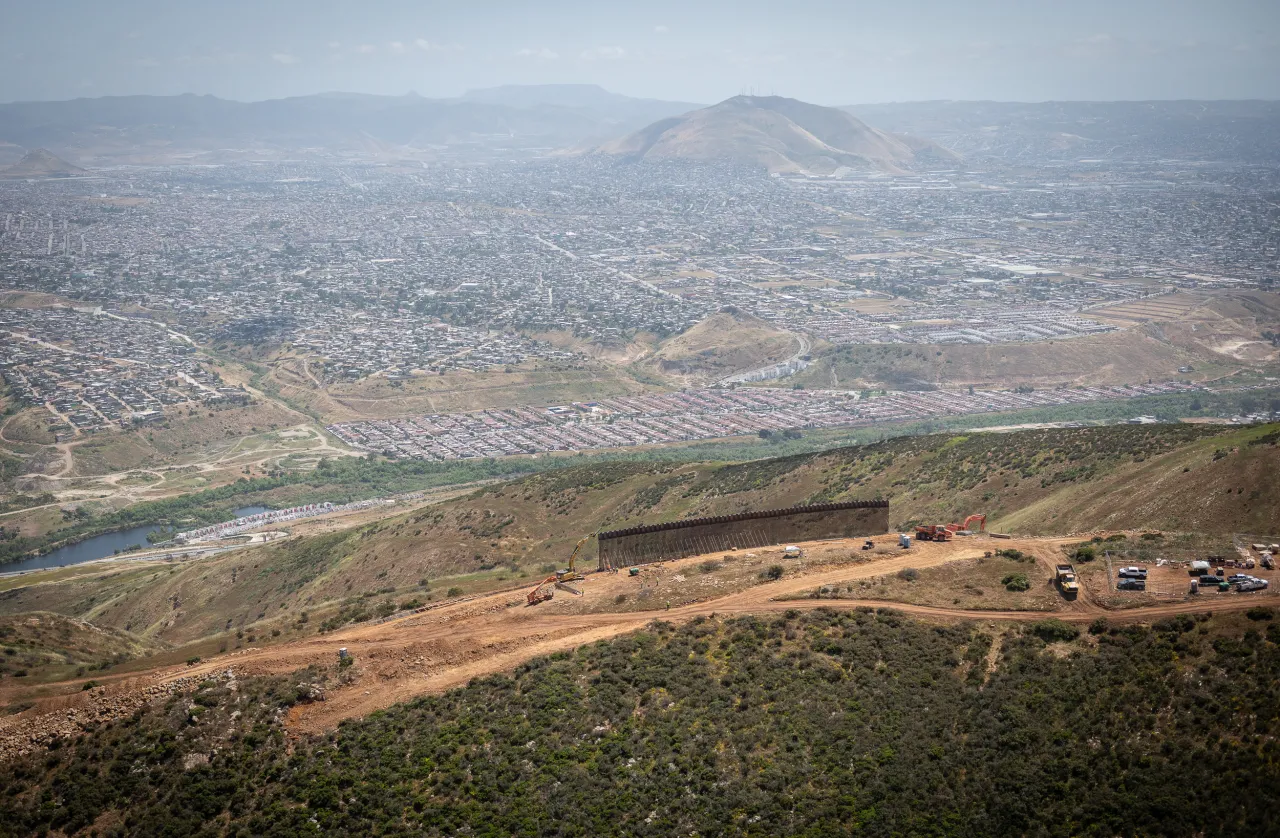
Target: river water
101 546
98 547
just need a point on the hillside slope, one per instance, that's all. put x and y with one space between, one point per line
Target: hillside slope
1215 479
721 345
780 134
1019 132
43 646
41 163
1130 356
167 127
1230 327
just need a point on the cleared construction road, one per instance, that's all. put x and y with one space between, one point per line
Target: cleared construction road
445 647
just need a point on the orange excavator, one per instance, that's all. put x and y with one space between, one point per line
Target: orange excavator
546 589
981 520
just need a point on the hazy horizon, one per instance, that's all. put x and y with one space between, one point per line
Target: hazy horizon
814 50
463 94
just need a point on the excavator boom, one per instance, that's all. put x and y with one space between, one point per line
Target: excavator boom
545 589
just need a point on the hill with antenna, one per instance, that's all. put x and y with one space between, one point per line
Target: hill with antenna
782 135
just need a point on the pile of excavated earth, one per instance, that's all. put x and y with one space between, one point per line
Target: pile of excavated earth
68 716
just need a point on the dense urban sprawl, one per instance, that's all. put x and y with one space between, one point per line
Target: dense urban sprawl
690 415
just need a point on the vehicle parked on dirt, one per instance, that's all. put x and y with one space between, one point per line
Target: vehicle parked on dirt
1065 576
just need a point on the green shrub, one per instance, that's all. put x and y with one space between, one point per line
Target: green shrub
1085 553
776 718
774 572
910 574
454 591
1016 582
1260 612
1052 631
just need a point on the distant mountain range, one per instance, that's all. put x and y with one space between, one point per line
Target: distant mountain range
1031 132
191 127
782 135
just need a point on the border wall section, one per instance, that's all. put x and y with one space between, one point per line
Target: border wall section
675 540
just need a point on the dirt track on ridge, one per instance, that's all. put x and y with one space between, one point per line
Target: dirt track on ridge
436 650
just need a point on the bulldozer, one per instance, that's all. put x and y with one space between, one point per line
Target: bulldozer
562 579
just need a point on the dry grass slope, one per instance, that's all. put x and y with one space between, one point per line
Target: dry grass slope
780 134
44 646
1055 481
378 398
721 345
1126 357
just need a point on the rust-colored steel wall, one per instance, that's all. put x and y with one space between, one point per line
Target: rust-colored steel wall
658 542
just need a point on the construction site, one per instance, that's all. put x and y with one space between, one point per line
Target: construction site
943 572
678 539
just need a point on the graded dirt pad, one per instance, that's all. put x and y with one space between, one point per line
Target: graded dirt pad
447 646
188 435
1124 357
376 397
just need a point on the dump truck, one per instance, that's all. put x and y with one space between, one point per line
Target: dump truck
1065 577
933 532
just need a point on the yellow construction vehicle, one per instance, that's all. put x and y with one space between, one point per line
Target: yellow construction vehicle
545 589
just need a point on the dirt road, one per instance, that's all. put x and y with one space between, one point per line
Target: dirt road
446 647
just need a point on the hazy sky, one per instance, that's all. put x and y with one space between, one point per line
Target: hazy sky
828 52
